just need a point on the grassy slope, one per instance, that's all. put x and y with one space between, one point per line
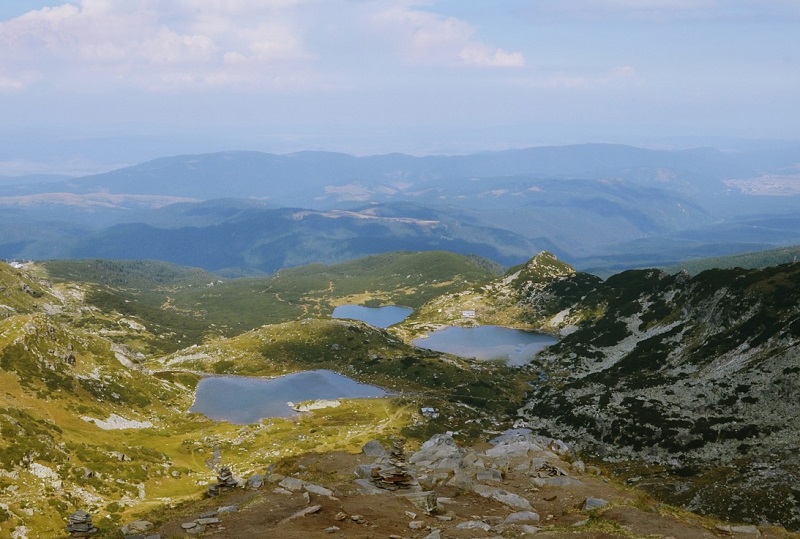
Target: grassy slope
186 306
53 461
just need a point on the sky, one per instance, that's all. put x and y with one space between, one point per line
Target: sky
89 85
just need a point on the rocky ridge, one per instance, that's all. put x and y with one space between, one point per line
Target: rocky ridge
696 377
518 484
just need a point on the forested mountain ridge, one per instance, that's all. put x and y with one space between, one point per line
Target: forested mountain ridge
603 207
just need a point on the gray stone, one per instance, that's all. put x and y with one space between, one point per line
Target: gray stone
292 483
197 530
471 460
513 449
80 524
137 527
317 489
521 517
439 453
416 524
227 509
745 530
591 503
435 534
255 482
275 478
364 471
461 480
561 481
368 487
474 525
374 449
489 474
331 529
514 501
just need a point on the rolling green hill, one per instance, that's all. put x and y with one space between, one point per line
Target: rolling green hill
178 307
91 420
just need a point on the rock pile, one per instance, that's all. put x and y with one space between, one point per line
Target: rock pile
80 524
441 465
225 481
395 475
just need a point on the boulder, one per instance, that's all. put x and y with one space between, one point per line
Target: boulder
374 449
522 517
255 482
292 484
441 452
474 525
591 503
138 527
317 489
514 501
489 474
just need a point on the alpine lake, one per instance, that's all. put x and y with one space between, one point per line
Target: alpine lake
245 400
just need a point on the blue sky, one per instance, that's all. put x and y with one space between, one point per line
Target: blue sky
90 84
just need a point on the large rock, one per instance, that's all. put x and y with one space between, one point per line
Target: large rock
591 503
522 517
138 527
374 449
441 452
514 501
519 438
255 482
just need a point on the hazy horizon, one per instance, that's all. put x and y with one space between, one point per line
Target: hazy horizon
91 85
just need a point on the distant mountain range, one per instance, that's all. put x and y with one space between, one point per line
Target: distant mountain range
595 205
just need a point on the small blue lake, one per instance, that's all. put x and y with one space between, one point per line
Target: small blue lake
243 400
515 346
381 317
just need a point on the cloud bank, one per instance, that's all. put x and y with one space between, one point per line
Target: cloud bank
180 44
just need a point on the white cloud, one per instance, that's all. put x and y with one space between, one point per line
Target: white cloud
16 82
157 44
429 38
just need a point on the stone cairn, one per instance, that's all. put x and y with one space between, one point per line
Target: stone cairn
225 481
395 475
80 524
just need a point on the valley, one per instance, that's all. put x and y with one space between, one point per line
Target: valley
666 381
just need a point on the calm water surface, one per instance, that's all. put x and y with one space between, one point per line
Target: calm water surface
381 317
243 400
515 346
